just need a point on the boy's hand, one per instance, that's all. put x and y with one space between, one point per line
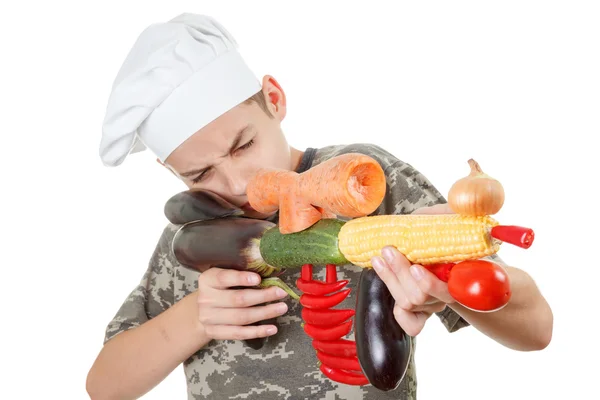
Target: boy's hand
418 292
223 312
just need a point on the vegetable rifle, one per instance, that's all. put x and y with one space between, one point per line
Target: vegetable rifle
327 217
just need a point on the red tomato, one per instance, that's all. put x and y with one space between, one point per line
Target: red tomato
479 285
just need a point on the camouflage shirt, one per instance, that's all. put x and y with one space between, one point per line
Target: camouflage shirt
286 366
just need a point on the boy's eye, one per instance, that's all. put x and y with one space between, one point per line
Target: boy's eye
203 174
247 145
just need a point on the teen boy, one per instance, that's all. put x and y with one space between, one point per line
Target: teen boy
185 93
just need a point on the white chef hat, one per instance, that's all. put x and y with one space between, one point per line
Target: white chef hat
178 77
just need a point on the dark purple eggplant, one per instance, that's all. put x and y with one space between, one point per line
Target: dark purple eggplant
198 205
383 348
232 243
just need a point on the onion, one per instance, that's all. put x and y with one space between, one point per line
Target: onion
476 194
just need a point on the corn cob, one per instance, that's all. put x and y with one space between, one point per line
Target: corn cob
423 239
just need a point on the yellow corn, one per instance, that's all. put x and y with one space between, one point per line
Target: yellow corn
423 239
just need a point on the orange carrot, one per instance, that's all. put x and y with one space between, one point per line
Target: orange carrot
295 213
349 185
264 189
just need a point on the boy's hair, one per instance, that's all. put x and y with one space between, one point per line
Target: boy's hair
259 98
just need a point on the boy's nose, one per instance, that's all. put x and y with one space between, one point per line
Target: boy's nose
236 183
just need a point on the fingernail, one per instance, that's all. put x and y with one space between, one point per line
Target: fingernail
280 292
416 272
377 263
282 307
271 331
254 280
388 254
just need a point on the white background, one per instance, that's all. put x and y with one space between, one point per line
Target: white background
514 84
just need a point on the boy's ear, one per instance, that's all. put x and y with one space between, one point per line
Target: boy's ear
274 96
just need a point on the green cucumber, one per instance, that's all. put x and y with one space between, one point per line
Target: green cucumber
317 245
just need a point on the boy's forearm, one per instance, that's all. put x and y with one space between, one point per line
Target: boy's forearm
524 324
135 361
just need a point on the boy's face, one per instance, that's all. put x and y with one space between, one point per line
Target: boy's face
222 156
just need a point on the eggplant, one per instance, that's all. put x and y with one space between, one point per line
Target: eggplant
198 205
383 347
232 243
225 243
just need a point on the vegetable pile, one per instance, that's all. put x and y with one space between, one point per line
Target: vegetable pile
311 232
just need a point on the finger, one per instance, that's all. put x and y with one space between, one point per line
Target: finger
221 278
390 279
243 298
411 322
436 209
232 332
395 260
429 284
402 268
242 316
432 308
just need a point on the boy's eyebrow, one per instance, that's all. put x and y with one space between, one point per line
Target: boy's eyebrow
234 145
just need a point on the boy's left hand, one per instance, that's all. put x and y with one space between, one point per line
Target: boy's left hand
418 292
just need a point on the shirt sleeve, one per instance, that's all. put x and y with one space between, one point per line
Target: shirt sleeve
153 294
407 191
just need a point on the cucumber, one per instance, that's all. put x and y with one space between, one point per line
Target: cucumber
317 245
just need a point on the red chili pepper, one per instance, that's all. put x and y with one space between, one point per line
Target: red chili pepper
327 326
339 347
345 363
516 235
312 301
328 333
442 271
341 376
326 317
319 288
306 272
331 273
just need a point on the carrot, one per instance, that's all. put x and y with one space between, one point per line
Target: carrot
349 185
264 188
295 213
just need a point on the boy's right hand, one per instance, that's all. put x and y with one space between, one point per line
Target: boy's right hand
225 313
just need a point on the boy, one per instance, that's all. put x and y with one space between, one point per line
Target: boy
185 93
